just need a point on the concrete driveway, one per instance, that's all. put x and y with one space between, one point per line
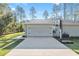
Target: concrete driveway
46 46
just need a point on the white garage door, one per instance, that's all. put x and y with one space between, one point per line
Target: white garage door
39 30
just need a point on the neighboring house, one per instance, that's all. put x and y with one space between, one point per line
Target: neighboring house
72 28
48 27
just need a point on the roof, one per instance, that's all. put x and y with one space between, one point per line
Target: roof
70 23
39 22
49 21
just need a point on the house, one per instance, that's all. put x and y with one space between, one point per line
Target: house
72 28
50 28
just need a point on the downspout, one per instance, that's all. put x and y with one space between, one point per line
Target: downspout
61 30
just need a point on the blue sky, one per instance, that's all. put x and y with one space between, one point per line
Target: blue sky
40 7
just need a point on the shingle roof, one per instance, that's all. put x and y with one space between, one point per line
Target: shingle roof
49 21
39 22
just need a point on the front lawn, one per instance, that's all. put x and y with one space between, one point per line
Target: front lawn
7 49
75 45
7 42
10 36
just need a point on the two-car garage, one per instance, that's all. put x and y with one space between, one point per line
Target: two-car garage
39 28
46 27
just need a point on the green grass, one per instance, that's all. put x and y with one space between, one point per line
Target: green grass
75 46
1 44
7 49
8 38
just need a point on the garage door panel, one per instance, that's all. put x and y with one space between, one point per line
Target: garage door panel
39 31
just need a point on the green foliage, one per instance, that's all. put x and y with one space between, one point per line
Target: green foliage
5 14
8 22
19 28
13 27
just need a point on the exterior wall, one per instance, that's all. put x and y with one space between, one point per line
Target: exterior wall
45 28
39 30
72 30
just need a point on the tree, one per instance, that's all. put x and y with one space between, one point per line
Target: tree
45 14
5 17
11 27
8 22
32 13
56 11
20 13
76 12
68 11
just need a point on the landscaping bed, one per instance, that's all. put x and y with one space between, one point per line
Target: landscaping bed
75 45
